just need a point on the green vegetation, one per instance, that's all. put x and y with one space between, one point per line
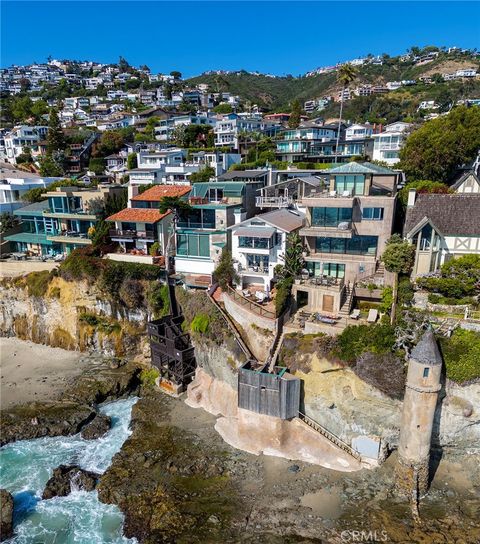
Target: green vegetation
282 295
200 323
355 340
149 376
422 186
202 175
461 353
398 258
7 221
102 324
158 299
223 108
434 298
440 146
37 283
225 274
295 115
97 166
458 278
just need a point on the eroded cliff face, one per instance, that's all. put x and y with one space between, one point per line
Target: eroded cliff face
56 319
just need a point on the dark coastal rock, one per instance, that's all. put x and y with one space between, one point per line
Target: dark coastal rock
67 478
99 426
36 420
6 514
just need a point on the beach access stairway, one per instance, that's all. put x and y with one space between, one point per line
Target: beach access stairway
329 436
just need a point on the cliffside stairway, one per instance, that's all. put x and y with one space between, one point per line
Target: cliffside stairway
329 436
346 307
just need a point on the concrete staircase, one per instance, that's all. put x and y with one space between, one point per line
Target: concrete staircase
330 436
347 304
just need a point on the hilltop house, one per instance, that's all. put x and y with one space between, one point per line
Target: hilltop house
259 243
141 224
347 225
62 222
202 232
21 138
151 165
228 131
443 226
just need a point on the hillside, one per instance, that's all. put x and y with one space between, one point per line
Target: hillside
276 93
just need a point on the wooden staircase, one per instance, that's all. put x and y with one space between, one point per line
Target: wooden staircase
347 304
330 436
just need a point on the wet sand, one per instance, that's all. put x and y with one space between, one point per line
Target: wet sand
33 372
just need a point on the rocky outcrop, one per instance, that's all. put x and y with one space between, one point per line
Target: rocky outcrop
6 514
213 395
56 318
68 478
37 420
96 428
77 408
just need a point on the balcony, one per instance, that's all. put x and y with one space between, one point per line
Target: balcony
119 235
70 237
273 201
324 282
343 229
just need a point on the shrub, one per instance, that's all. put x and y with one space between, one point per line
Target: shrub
356 340
158 299
148 377
282 296
461 354
435 298
101 323
405 292
154 249
37 283
200 323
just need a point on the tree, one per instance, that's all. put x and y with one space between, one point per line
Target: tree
293 257
202 175
422 186
225 274
55 136
398 258
347 74
295 115
53 165
7 221
223 108
97 166
38 109
176 75
438 148
111 141
132 161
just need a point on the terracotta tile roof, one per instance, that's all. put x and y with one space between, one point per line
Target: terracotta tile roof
138 215
155 194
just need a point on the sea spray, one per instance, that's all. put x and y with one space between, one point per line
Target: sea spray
78 518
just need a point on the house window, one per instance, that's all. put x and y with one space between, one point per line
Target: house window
426 372
426 238
258 262
330 217
334 270
193 245
355 185
254 243
215 195
372 214
356 245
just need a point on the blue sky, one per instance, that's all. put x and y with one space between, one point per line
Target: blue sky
276 37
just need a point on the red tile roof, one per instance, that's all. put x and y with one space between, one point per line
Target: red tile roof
138 215
155 194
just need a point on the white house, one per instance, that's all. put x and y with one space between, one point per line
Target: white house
259 245
151 165
387 144
428 105
228 129
355 132
14 184
21 137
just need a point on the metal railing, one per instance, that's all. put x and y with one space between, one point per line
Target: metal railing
329 436
252 306
280 201
132 234
323 281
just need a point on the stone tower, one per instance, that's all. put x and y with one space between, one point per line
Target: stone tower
421 393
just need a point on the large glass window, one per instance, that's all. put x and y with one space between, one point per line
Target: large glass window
356 245
330 217
193 245
354 184
254 243
372 214
426 237
259 262
197 218
334 270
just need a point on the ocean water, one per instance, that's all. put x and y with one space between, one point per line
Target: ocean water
79 518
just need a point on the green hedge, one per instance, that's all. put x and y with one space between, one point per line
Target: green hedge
355 340
461 354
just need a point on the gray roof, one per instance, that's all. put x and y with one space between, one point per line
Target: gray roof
241 174
7 171
284 219
455 214
426 351
255 232
360 168
36 208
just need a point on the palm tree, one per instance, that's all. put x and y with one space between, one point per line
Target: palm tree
347 74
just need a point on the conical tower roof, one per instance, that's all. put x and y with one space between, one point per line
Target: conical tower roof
426 351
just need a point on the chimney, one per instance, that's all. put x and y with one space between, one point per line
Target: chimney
412 196
132 191
240 215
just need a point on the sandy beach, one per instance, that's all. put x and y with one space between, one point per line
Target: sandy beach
33 372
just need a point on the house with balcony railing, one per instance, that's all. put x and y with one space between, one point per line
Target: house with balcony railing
141 225
348 223
387 144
